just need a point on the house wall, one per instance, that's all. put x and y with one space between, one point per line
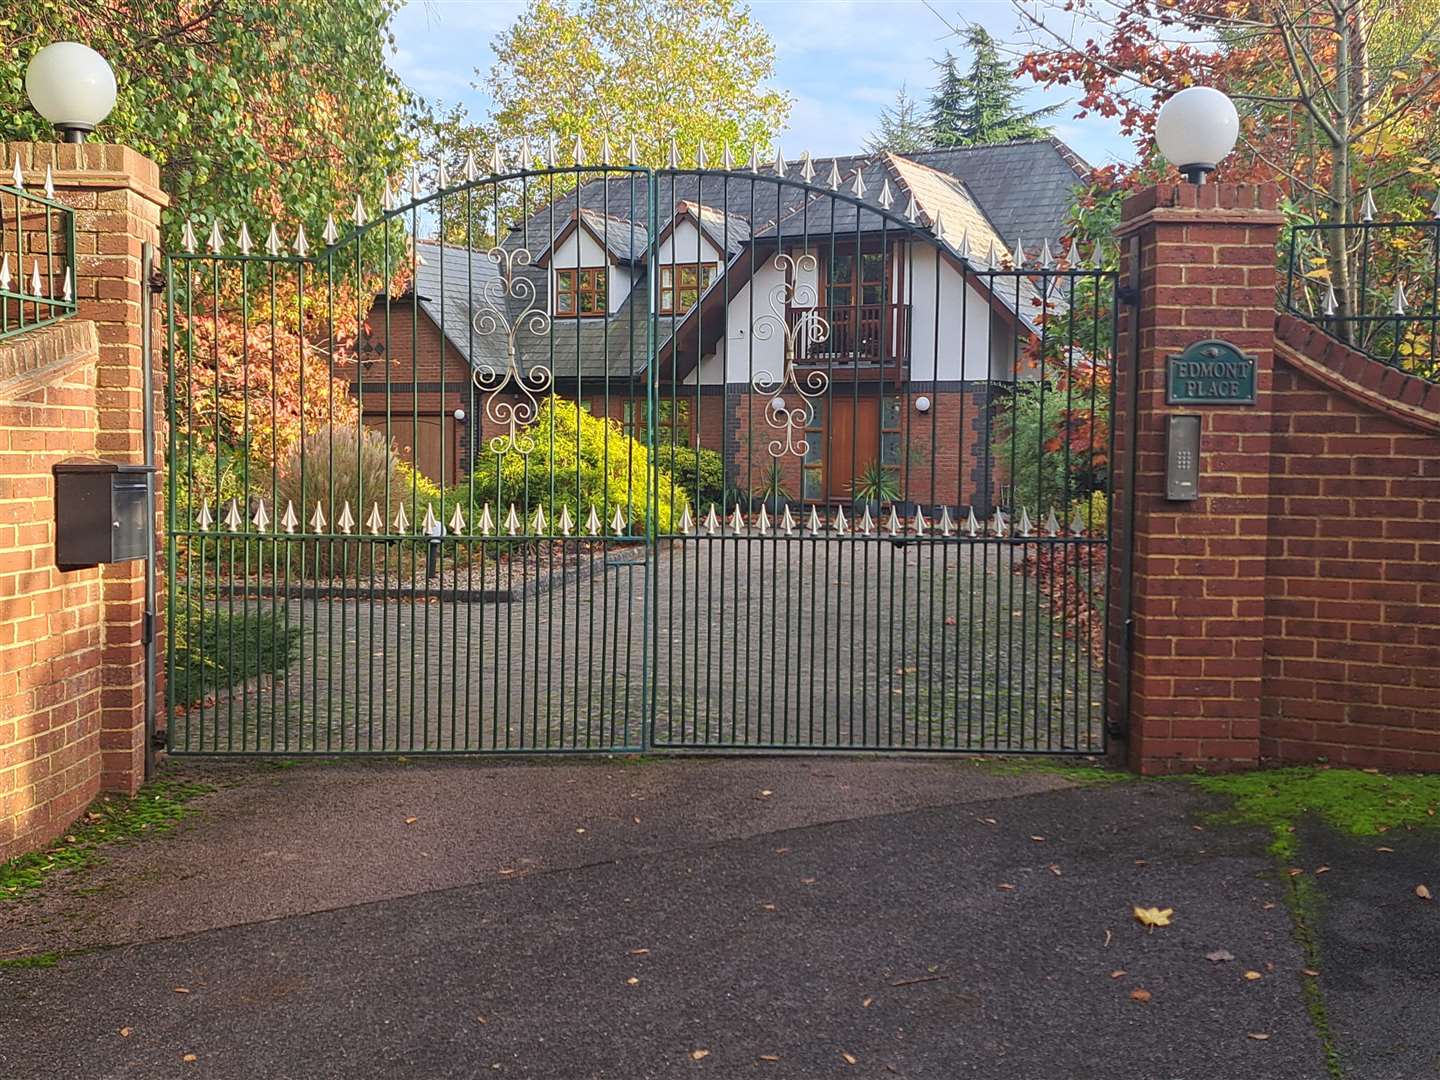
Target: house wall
687 244
580 249
955 332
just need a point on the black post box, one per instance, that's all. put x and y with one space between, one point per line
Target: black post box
101 513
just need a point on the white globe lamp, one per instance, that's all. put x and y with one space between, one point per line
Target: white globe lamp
1196 130
71 86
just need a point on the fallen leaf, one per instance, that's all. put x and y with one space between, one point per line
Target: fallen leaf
988 820
1107 938
189 1057
867 1003
1142 862
767 907
1153 916
1387 849
181 990
782 851
807 881
1038 839
849 1059
1309 971
1006 886
636 820
639 952
1139 995
125 1033
1259 1036
1423 891
950 620
1294 871
1054 868
766 793
1253 975
1118 973
632 981
1322 870
1219 956
1267 905
697 1055
769 1057
411 820
506 871
481 1020
580 832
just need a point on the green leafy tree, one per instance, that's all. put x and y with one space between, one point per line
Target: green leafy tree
981 106
255 109
902 128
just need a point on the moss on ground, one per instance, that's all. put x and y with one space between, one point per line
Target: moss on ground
110 819
1077 772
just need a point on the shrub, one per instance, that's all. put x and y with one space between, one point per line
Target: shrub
698 472
216 649
578 461
1032 431
1093 510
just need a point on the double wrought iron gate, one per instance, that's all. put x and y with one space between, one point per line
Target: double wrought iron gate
792 457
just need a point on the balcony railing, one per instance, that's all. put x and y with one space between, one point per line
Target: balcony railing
867 334
37 261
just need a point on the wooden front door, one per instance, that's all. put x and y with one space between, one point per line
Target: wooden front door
428 442
852 443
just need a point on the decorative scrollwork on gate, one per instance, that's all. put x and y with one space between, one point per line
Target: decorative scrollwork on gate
521 406
809 327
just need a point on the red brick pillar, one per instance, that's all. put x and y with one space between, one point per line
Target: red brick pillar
117 200
1206 269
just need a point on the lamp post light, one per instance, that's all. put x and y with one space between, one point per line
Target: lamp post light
71 86
1196 129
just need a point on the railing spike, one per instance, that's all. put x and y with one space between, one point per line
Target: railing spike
992 259
687 523
606 153
1026 527
1077 524
346 521
204 520
1047 261
527 161
375 523
972 525
1072 257
472 171
833 181
937 225
5 272
317 519
67 288
244 242
965 252
1435 206
538 525
754 163
814 523
512 521
617 522
567 523
1367 208
780 164
912 212
302 247
332 232
414 175
999 524
37 287
762 521
17 177
261 520
1018 255
49 183
486 523
632 152
920 524
359 210
187 237
886 199
787 522
592 522
892 523
807 167
442 176
858 188
1398 307
672 154
289 521
402 520
737 520
577 151
1052 523
1331 303
727 159
867 523
389 199
701 161
457 522
552 149
841 525
712 522
947 525
272 241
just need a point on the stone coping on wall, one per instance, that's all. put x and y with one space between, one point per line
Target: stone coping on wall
1365 380
105 166
40 356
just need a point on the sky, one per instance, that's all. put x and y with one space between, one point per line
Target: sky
841 60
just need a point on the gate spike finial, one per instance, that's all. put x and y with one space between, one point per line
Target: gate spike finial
204 520
912 212
538 525
992 258
606 153
317 519
346 521
965 252
937 225
302 247
617 523
472 171
701 161
187 238
49 183
762 521
787 522
233 520
1026 527
527 161
737 520
375 523
1399 306
1052 523
497 161
841 525
1047 261
687 523
632 152
592 522
577 151
442 176
672 154
414 174
37 287
947 525
1367 208
359 210
920 524
512 521
332 232
1077 524
807 167
457 521
727 159
886 199
998 525
867 523
431 525
1018 255
712 521
858 188
261 519
1072 258
780 164
893 522
272 241
1331 303
290 521
389 198
17 178
754 163
972 526
567 523
5 272
552 149
245 243
814 523
67 292
486 523
402 520
833 180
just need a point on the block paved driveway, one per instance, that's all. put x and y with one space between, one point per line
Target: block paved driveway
671 918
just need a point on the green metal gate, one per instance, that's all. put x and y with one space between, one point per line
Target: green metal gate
791 457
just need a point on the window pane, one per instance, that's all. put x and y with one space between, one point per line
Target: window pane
890 414
709 274
587 303
872 267
689 275
814 488
838 296
688 298
890 448
565 302
667 275
871 294
667 300
842 268
565 280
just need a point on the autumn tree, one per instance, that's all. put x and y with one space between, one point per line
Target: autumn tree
902 128
1336 97
982 105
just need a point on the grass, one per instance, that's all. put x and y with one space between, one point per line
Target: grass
1351 801
1096 774
34 960
110 819
217 647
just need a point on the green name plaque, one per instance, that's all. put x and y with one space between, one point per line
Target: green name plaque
1210 373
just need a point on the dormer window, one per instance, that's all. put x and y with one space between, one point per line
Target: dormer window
581 292
681 285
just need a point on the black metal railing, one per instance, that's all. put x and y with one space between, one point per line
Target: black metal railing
37 258
870 333
1374 285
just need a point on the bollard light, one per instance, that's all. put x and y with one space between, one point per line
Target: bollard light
71 86
1196 130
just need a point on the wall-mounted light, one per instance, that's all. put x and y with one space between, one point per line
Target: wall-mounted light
459 416
778 405
71 86
922 404
1196 130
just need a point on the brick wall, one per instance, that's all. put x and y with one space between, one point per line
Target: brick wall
1352 636
52 624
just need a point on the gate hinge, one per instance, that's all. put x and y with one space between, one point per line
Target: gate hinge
1127 294
147 628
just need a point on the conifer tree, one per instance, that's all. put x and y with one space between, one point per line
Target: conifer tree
980 107
902 128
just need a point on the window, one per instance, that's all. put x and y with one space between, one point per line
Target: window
580 292
672 421
890 437
685 280
840 289
814 484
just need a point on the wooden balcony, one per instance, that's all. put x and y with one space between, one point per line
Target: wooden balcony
869 334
